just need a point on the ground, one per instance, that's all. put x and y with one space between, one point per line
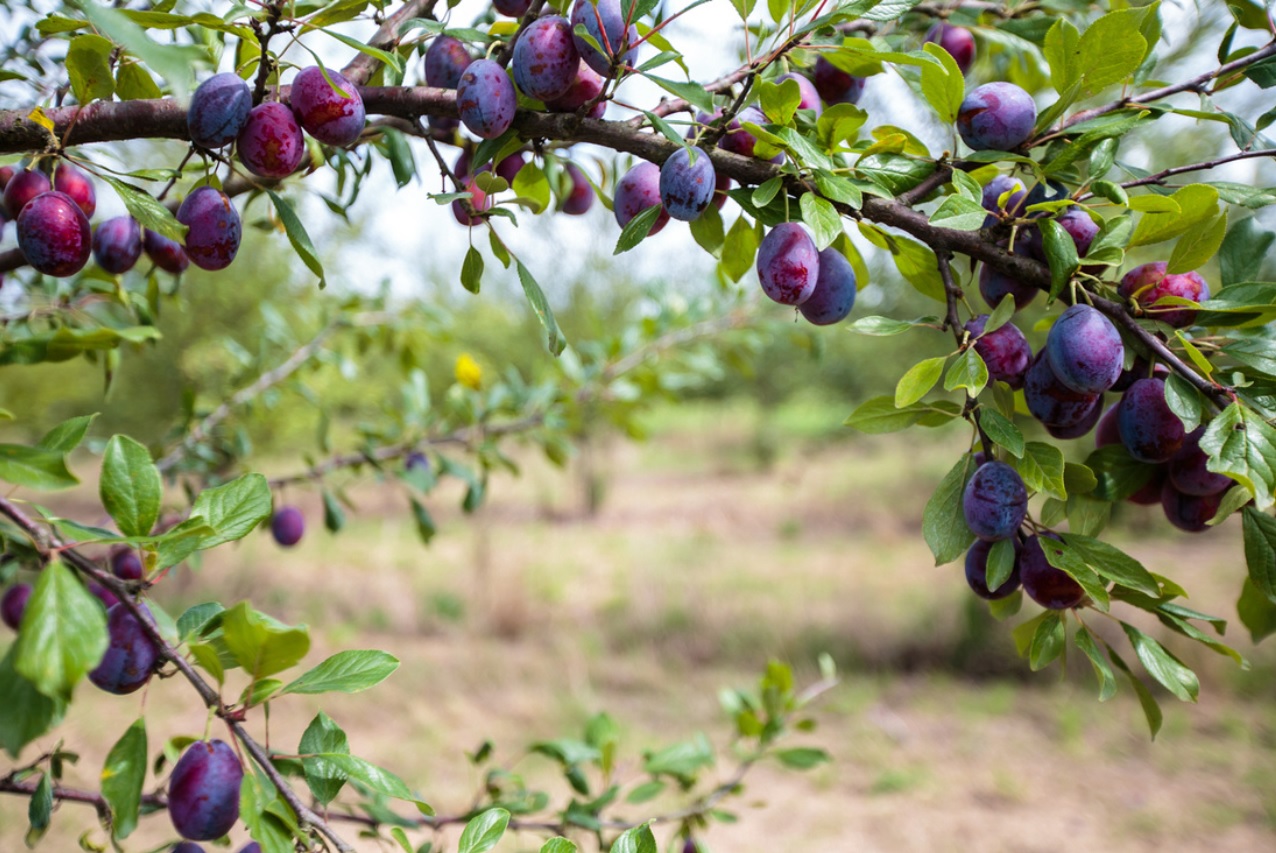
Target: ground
726 540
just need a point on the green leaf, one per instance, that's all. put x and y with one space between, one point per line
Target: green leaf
261 645
472 270
636 840
532 187
123 776
637 229
1000 563
1001 430
779 101
540 306
918 380
1061 53
943 521
40 809
143 207
943 84
134 83
234 509
346 672
822 217
645 792
298 236
62 635
1114 564
1110 50
483 831
130 486
1257 612
1168 670
1061 254
88 65
879 415
802 757
35 467
739 249
1243 251
67 435
967 371
27 713
1102 670
175 64
1197 204
424 521
378 779
1197 246
558 844
1066 559
960 213
1259 531
333 518
1047 641
1151 710
1243 446
690 91
324 778
1041 468
884 327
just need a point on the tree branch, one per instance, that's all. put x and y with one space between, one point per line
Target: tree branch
360 69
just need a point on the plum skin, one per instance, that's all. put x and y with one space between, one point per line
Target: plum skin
126 565
1085 350
14 604
835 290
587 86
214 228
581 196
287 525
835 85
995 501
788 264
1050 401
977 572
53 234
1053 589
1149 283
605 23
1005 350
485 99
219 110
958 41
999 186
23 186
203 791
545 58
166 254
117 244
1189 513
70 180
998 116
270 144
1188 471
686 188
511 8
131 656
445 61
1150 431
638 190
322 112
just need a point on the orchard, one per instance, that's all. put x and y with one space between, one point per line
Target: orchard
1106 327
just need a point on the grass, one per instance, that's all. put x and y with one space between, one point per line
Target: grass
708 558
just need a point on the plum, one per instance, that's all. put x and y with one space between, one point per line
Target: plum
103 595
1107 432
445 61
166 254
835 85
510 166
998 116
788 264
686 186
1052 588
995 501
1150 431
325 113
1081 427
287 526
999 186
587 86
25 185
218 111
14 604
1085 350
1052 402
958 41
1080 227
270 144
117 244
250 847
203 791
638 190
512 8
1188 471
720 186
810 99
213 238
131 656
186 847
1005 350
581 196
1149 283
485 99
738 140
1190 513
977 571
545 58
417 461
995 285
835 290
478 202
1149 493
53 234
605 23
1139 370
126 565
70 180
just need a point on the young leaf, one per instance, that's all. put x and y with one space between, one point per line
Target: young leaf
130 486
918 380
262 645
482 832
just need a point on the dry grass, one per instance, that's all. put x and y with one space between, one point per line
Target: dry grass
520 623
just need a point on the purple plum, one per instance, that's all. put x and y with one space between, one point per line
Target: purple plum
587 86
14 604
788 264
835 85
605 23
686 187
1052 402
1190 513
131 656
126 565
638 190
1150 431
166 254
977 571
218 111
1005 350
287 525
485 99
545 59
835 290
117 244
1085 350
1052 588
1149 283
958 41
213 238
512 8
445 61
53 234
1188 470
810 99
581 196
325 113
70 180
995 501
270 144
203 790
998 116
25 185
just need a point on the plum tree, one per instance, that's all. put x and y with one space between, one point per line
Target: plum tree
203 790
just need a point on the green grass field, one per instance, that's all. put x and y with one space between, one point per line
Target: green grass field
726 540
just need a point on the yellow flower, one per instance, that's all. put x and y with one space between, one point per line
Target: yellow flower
468 372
